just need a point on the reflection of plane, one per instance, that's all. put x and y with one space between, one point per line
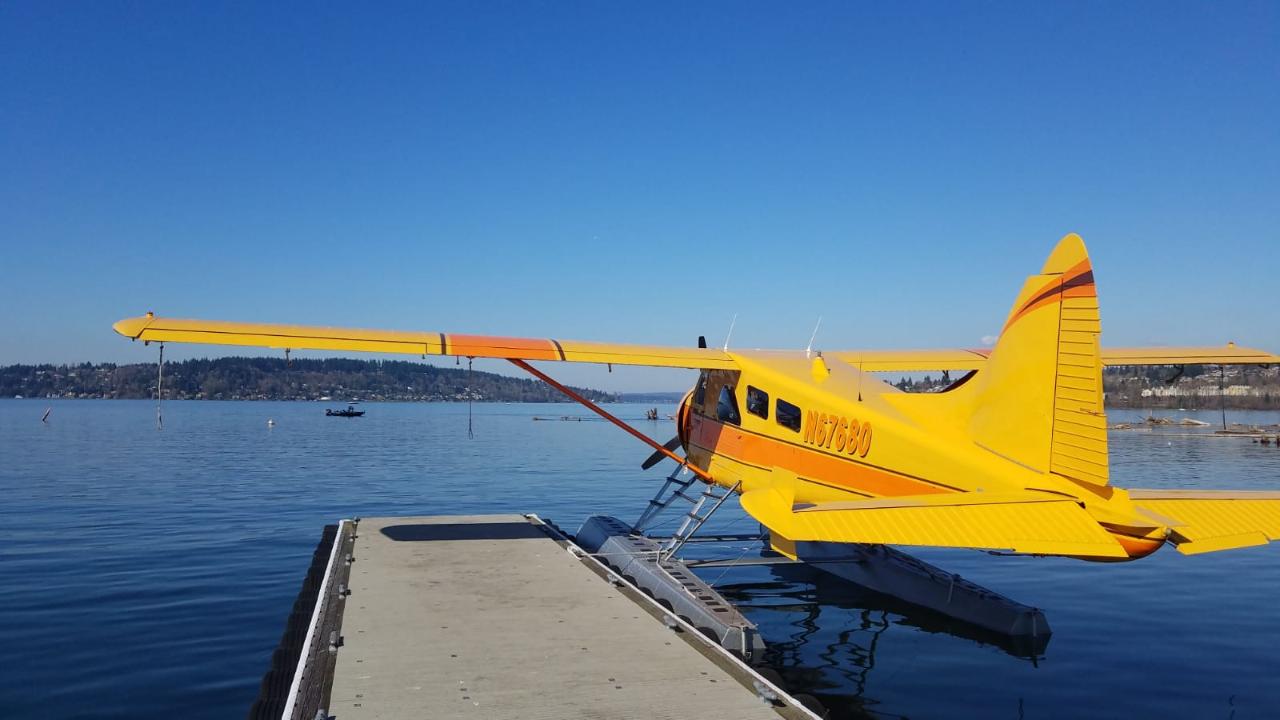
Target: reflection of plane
1012 457
827 589
835 672
833 657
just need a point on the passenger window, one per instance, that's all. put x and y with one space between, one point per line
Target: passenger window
788 415
758 402
727 406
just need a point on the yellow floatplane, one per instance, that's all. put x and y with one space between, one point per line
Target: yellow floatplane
1012 457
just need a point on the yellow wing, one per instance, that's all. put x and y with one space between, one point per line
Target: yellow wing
1015 522
1209 520
912 360
1229 354
300 337
975 359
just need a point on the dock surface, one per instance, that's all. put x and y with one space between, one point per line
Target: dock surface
490 617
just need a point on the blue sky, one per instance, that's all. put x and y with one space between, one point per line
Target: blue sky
634 173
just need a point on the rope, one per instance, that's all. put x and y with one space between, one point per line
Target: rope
734 562
1222 393
471 435
159 385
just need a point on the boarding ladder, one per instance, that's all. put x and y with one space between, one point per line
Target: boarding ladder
703 505
675 488
703 509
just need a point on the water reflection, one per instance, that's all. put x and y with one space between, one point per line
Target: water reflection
824 632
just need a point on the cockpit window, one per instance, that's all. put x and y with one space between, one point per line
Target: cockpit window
727 406
700 392
757 402
788 415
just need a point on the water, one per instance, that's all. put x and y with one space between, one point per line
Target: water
148 574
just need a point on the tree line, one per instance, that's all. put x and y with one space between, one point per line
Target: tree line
1161 386
256 378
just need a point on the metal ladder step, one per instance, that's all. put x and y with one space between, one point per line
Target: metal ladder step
695 518
663 499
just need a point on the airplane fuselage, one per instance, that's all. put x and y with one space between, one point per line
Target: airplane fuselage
848 435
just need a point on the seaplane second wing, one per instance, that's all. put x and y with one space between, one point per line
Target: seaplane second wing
150 328
976 358
1229 354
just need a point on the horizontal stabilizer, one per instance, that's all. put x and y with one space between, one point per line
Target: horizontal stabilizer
1211 520
1030 523
1222 542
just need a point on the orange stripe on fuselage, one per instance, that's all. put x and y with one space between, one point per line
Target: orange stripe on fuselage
501 347
831 470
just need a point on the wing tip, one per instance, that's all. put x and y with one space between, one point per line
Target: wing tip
133 327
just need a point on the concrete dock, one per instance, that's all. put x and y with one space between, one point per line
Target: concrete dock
499 616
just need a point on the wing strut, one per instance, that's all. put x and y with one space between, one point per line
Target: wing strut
607 416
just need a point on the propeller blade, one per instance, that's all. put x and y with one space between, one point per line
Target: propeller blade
658 457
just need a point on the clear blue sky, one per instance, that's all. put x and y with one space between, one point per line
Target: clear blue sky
635 172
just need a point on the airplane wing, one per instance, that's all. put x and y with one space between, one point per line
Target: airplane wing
1033 523
1210 520
301 337
912 360
974 359
1229 354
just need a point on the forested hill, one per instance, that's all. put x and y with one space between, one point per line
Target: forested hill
240 378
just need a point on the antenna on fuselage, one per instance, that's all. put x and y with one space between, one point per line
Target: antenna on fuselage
729 334
808 351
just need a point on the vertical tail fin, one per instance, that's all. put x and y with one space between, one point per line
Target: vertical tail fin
1039 399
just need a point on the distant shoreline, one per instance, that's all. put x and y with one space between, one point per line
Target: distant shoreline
335 402
621 399
344 379
258 378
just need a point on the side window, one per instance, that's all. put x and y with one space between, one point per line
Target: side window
758 402
727 406
700 392
788 415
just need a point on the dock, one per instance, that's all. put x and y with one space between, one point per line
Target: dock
499 616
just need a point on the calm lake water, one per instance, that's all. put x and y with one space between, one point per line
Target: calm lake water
148 574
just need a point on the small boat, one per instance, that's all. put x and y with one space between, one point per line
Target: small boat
351 411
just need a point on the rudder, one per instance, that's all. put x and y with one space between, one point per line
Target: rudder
1039 399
